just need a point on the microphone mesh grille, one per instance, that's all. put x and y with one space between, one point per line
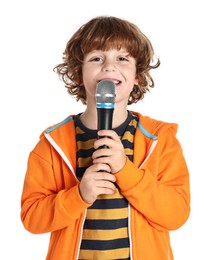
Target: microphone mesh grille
105 92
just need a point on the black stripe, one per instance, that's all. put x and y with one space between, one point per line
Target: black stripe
131 127
80 172
130 157
127 144
105 244
105 224
109 204
85 137
128 258
85 153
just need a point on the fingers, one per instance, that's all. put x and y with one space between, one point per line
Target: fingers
114 155
101 167
95 182
103 177
109 139
107 136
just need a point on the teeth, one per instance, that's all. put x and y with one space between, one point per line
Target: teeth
116 81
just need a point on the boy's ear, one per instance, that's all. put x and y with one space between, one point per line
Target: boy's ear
136 82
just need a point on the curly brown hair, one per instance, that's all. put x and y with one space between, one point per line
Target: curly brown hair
105 33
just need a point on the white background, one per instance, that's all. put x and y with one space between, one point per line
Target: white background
33 36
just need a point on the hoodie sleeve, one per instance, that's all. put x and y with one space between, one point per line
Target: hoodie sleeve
159 189
50 198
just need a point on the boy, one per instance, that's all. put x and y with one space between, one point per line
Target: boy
112 203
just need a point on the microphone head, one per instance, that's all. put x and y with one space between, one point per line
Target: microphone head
105 94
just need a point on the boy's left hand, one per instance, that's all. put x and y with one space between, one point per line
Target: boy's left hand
114 155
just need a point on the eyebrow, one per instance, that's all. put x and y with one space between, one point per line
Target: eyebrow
101 51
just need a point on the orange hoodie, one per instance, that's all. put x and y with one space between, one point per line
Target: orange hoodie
156 185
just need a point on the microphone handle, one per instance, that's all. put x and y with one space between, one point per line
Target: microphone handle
105 116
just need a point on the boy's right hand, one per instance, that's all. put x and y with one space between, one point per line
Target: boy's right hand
96 181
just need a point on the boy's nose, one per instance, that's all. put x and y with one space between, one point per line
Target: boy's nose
109 66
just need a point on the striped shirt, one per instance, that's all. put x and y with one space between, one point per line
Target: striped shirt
105 231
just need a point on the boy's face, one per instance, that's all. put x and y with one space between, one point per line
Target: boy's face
115 65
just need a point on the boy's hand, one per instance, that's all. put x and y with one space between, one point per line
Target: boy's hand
96 180
114 156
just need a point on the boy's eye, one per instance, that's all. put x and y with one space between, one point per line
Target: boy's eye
123 59
96 59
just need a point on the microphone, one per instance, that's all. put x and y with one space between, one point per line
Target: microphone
105 101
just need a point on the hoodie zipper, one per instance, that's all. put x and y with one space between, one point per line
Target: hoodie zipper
64 157
129 218
59 150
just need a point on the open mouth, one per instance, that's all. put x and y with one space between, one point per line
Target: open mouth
115 81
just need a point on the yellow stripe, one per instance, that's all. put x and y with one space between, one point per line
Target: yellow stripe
128 136
104 255
79 130
133 122
128 151
86 144
84 162
92 234
107 213
115 195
